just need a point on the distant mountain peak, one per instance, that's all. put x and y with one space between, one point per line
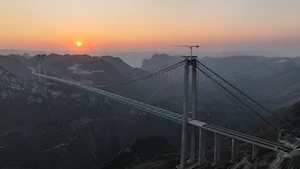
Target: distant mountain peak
106 57
161 56
26 55
158 61
119 64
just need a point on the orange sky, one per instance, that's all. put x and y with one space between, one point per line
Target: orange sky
113 24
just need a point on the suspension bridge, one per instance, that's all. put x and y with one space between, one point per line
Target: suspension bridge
187 120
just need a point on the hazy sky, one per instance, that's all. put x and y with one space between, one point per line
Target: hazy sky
124 25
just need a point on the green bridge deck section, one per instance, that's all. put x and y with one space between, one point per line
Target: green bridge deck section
175 117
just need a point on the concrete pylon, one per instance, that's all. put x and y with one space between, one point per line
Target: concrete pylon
42 71
193 114
183 158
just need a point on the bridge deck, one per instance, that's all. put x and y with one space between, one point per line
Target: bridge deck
175 117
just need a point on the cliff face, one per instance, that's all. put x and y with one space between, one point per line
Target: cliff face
141 151
62 130
55 126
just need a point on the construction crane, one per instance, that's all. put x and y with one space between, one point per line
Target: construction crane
187 46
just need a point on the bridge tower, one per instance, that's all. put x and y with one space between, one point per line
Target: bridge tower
41 67
189 61
41 70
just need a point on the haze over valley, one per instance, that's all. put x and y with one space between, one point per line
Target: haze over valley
101 127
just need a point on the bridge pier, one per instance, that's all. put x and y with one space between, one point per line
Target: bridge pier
233 150
201 146
254 152
193 145
217 149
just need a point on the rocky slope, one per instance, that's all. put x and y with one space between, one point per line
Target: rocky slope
14 64
141 150
265 159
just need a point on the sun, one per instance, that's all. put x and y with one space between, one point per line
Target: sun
78 43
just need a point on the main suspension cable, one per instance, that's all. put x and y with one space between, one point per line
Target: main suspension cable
244 94
145 77
228 95
227 90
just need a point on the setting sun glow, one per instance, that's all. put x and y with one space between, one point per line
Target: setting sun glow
78 44
135 25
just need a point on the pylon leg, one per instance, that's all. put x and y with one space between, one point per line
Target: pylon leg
193 115
183 158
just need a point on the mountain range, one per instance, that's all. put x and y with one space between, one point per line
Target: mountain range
55 129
